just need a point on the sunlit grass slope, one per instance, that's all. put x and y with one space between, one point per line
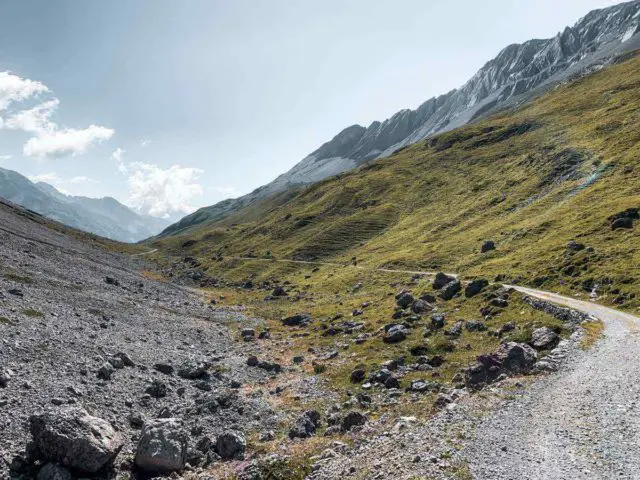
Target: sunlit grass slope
531 180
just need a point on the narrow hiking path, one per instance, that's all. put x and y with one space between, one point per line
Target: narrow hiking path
333 264
142 254
580 423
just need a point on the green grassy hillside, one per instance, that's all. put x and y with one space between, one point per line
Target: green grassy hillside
531 180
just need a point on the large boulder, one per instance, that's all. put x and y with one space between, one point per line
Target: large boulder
475 287
395 334
298 320
230 445
624 222
404 299
305 425
437 320
441 279
162 447
450 290
192 370
421 306
544 338
73 438
516 357
353 419
509 358
486 369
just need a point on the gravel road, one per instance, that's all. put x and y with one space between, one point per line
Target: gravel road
581 423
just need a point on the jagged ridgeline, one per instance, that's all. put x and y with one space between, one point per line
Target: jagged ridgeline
519 73
531 180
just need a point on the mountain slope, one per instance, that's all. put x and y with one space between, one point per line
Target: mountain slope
517 74
562 168
105 216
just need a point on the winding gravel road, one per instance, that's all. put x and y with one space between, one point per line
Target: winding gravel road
581 423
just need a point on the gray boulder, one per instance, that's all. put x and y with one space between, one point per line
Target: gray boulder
105 371
162 447
421 306
437 320
353 419
75 439
404 299
475 287
305 425
544 338
230 445
441 279
395 334
475 326
298 320
450 290
192 370
516 357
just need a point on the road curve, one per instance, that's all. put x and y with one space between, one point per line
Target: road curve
580 423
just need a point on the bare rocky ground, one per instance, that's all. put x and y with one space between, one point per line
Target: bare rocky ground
81 328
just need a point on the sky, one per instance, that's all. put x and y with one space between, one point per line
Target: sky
173 105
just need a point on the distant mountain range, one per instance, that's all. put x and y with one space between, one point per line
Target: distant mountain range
517 74
103 216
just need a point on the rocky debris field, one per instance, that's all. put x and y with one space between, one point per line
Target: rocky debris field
106 373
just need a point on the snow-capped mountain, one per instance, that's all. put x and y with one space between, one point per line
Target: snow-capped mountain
103 216
517 74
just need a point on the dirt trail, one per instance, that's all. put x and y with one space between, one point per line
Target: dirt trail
581 423
332 264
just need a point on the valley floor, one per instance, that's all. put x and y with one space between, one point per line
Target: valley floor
578 423
70 312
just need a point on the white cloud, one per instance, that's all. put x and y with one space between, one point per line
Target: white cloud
227 191
60 183
81 179
60 143
36 119
16 89
145 143
160 192
117 156
50 139
51 177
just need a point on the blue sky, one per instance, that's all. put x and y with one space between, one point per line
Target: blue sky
173 105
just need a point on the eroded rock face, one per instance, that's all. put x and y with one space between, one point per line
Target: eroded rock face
162 447
75 439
